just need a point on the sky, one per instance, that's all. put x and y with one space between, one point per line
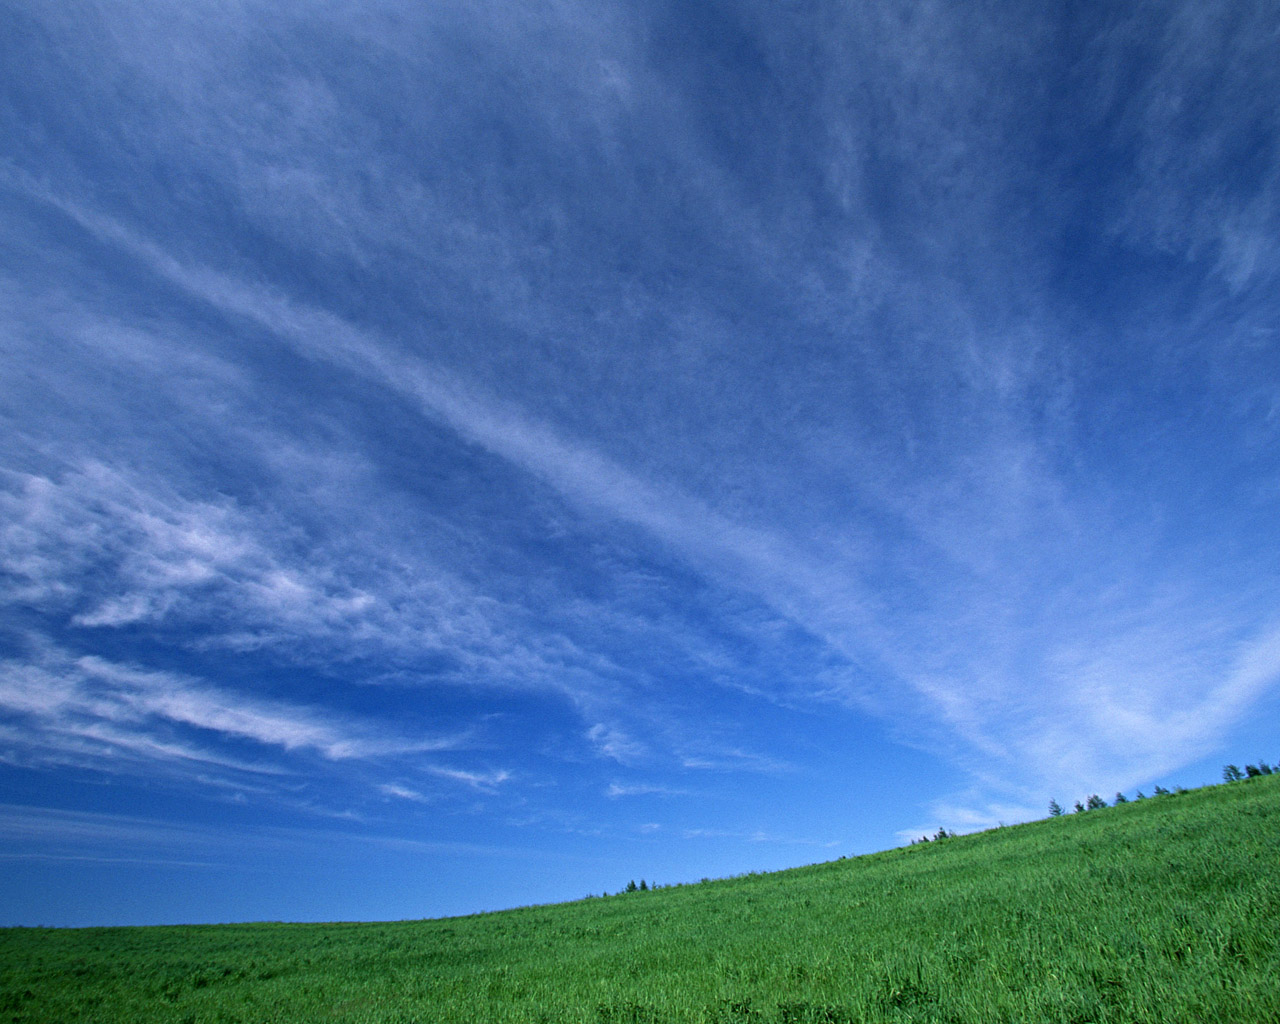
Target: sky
460 455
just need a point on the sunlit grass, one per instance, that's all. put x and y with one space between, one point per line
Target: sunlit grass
1160 910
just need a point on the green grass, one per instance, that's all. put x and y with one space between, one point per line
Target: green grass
1160 910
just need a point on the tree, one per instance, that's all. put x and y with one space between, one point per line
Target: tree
1252 770
1055 809
1121 799
1095 802
1079 809
631 886
1161 791
643 887
1231 773
1264 767
1141 795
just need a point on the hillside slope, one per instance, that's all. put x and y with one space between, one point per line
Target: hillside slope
1161 910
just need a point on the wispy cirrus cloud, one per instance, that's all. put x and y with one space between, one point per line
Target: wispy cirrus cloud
756 836
1030 527
768 564
395 789
1213 199
481 781
42 833
108 548
64 709
619 789
615 744
47 833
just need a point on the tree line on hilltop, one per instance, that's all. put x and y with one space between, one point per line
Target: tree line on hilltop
1093 802
1230 773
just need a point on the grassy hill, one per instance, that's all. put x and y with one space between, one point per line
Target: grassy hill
1160 910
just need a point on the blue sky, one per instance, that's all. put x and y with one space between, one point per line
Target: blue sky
460 455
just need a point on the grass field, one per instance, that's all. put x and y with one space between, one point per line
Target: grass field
1166 909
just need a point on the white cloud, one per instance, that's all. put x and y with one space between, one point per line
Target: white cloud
108 549
1192 118
55 834
114 717
612 742
163 550
43 828
142 694
485 782
802 582
981 524
734 759
756 836
616 790
402 792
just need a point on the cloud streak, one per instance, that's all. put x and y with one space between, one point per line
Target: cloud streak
109 550
833 599
64 709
